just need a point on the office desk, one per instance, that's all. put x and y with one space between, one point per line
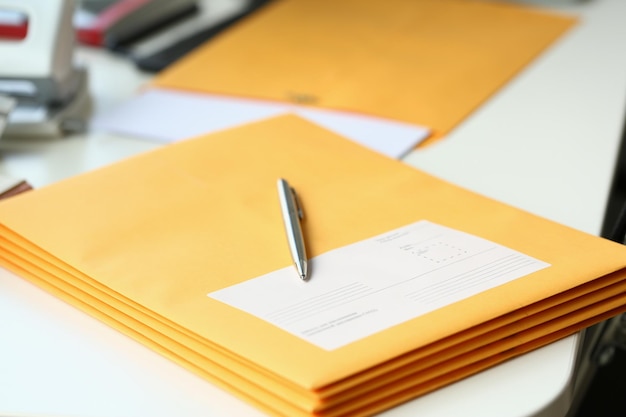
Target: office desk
545 143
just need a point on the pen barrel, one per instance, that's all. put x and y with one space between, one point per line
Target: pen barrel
292 214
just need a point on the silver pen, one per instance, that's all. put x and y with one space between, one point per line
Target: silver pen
292 215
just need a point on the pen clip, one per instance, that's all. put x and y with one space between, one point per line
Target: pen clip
296 200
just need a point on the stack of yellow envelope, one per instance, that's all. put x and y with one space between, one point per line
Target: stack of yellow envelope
141 243
427 62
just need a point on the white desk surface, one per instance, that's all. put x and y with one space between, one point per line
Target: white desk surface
546 143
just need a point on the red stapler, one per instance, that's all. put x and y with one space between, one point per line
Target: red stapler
38 71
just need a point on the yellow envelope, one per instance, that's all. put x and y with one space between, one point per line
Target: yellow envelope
427 62
140 243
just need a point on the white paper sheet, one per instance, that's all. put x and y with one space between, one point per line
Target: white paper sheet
371 285
167 116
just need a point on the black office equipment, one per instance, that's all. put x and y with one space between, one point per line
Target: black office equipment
600 387
159 60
